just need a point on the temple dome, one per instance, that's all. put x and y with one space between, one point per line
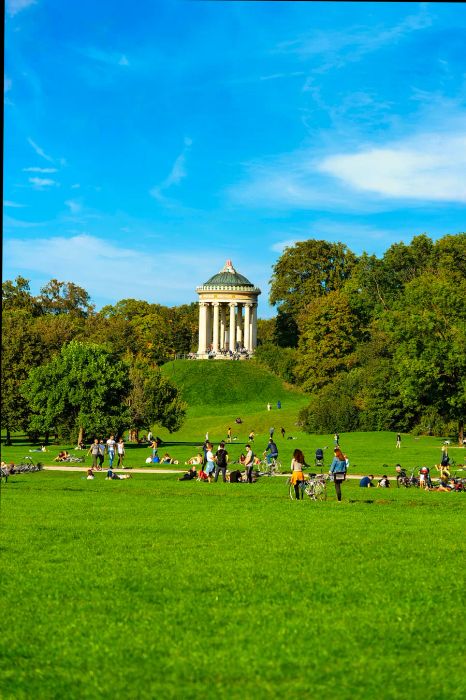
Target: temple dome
228 277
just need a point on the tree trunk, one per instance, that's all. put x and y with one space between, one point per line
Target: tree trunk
460 432
8 437
81 435
46 438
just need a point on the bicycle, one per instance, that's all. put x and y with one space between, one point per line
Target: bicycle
27 465
314 486
269 469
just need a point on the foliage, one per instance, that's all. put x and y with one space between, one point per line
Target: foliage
64 297
80 391
153 399
281 361
22 349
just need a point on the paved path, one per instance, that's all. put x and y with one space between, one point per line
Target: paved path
76 468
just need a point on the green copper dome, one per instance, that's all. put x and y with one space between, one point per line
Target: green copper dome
228 277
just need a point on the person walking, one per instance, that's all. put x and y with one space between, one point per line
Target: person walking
121 452
251 436
398 441
221 461
338 470
297 475
101 453
111 446
271 432
249 463
229 434
94 451
269 406
282 430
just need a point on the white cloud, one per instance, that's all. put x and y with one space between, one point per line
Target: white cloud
6 84
13 205
74 207
176 175
15 6
76 186
428 167
41 183
111 58
40 151
40 170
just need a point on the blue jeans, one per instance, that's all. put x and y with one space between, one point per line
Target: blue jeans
270 457
111 457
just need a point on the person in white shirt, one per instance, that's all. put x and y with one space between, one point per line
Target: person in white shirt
111 445
210 466
121 452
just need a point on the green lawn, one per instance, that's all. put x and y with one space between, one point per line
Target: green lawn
152 588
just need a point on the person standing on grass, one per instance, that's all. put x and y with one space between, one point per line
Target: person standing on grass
101 453
282 430
94 451
111 447
121 452
251 436
221 461
338 470
398 441
297 475
249 463
210 463
229 434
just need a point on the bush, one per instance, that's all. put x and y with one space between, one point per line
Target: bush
281 361
328 411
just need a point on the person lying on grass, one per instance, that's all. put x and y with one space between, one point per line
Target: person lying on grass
62 456
166 459
197 459
192 474
111 475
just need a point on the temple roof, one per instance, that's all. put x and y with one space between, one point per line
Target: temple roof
228 277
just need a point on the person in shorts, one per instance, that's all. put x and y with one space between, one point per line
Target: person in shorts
210 462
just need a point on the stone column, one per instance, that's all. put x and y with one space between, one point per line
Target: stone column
215 328
254 328
223 313
209 325
239 325
247 326
232 332
202 328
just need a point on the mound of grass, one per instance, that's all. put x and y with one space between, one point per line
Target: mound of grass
227 383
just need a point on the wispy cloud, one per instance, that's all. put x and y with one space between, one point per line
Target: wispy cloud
42 183
73 206
40 170
40 151
177 174
6 84
15 6
13 205
111 58
336 48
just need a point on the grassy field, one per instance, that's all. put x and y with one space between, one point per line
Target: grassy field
152 588
219 392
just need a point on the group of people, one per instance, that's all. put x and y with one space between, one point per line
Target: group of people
111 447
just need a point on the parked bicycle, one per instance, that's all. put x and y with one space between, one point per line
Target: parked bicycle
314 486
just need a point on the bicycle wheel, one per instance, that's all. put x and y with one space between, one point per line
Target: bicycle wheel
291 491
309 489
320 491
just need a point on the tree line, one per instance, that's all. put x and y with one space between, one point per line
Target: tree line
378 343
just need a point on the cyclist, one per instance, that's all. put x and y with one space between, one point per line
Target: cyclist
272 451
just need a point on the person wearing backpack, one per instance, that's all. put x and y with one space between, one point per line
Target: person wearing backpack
221 461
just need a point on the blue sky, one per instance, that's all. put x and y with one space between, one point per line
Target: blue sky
145 143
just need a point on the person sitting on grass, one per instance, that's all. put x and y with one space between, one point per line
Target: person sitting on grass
62 456
366 482
192 474
235 477
384 482
90 473
166 459
197 459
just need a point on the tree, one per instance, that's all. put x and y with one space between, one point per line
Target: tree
428 326
16 295
82 390
307 271
64 297
330 333
22 349
153 399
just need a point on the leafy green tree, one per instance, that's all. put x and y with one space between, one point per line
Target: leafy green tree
281 361
307 271
331 331
17 295
82 390
428 327
64 297
153 399
22 349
